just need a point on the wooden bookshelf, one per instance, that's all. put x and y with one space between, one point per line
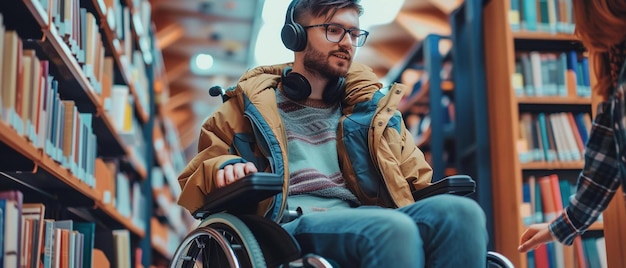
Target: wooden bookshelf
544 36
18 143
505 107
113 44
125 222
62 58
41 176
576 165
571 100
42 161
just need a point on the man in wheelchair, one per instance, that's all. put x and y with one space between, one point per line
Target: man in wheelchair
348 163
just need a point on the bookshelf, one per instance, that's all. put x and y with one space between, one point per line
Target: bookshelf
425 59
507 42
77 124
463 137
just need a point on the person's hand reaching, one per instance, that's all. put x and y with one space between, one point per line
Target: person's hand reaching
534 236
231 173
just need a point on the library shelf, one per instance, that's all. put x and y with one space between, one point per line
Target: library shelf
554 100
47 175
114 46
502 48
125 222
542 36
575 165
596 226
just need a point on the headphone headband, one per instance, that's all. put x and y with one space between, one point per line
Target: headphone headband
293 34
291 11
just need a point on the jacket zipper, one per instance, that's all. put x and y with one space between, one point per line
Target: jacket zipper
255 125
370 143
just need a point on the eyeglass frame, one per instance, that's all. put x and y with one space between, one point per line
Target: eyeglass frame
349 31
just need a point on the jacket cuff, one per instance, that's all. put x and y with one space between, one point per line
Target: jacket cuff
562 230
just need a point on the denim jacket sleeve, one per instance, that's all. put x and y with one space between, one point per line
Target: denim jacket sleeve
597 182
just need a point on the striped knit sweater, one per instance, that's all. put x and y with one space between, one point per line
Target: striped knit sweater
311 128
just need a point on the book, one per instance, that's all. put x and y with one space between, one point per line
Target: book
48 244
13 226
12 234
88 230
35 212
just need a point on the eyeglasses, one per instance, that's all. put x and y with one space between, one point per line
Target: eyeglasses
336 32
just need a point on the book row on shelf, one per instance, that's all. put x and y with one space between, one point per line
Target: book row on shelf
553 137
544 197
32 240
539 82
551 74
84 138
586 252
550 16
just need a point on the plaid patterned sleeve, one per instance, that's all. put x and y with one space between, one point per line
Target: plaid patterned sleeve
596 184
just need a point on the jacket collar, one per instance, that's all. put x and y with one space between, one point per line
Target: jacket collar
361 82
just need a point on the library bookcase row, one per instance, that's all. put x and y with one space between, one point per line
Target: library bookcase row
538 81
90 162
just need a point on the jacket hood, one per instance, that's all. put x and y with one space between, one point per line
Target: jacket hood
361 82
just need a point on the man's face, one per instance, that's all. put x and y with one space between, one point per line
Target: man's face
328 58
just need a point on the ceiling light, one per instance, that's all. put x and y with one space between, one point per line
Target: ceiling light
203 61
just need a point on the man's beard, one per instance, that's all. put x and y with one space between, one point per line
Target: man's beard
316 62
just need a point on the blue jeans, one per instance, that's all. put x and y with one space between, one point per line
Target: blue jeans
440 231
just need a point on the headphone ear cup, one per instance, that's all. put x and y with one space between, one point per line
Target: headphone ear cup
334 92
295 86
293 36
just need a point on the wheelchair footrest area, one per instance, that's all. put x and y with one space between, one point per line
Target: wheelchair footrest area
242 194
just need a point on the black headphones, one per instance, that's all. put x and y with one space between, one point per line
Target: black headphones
293 34
296 87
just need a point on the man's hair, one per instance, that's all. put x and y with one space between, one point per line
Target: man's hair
327 8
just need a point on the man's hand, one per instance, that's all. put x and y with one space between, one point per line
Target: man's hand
534 236
231 173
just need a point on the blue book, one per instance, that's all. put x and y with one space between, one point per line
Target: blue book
551 254
48 243
591 252
530 15
585 69
514 15
582 129
530 256
549 154
3 204
88 229
538 205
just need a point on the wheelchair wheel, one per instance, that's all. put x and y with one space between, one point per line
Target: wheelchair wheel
221 240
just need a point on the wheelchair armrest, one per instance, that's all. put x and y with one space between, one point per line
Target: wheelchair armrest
455 184
241 195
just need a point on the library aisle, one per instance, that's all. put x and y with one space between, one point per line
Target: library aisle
102 103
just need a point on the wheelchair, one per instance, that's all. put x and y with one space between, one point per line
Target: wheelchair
230 235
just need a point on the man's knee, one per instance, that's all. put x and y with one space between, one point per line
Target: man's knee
392 225
458 209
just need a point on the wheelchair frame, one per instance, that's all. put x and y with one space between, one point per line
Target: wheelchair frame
231 235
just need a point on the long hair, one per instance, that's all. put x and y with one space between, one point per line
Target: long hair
601 26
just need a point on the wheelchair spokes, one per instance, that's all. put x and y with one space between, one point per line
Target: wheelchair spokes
221 242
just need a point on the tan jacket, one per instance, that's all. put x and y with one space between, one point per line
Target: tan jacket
248 126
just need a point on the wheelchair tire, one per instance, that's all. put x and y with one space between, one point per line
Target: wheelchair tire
221 240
